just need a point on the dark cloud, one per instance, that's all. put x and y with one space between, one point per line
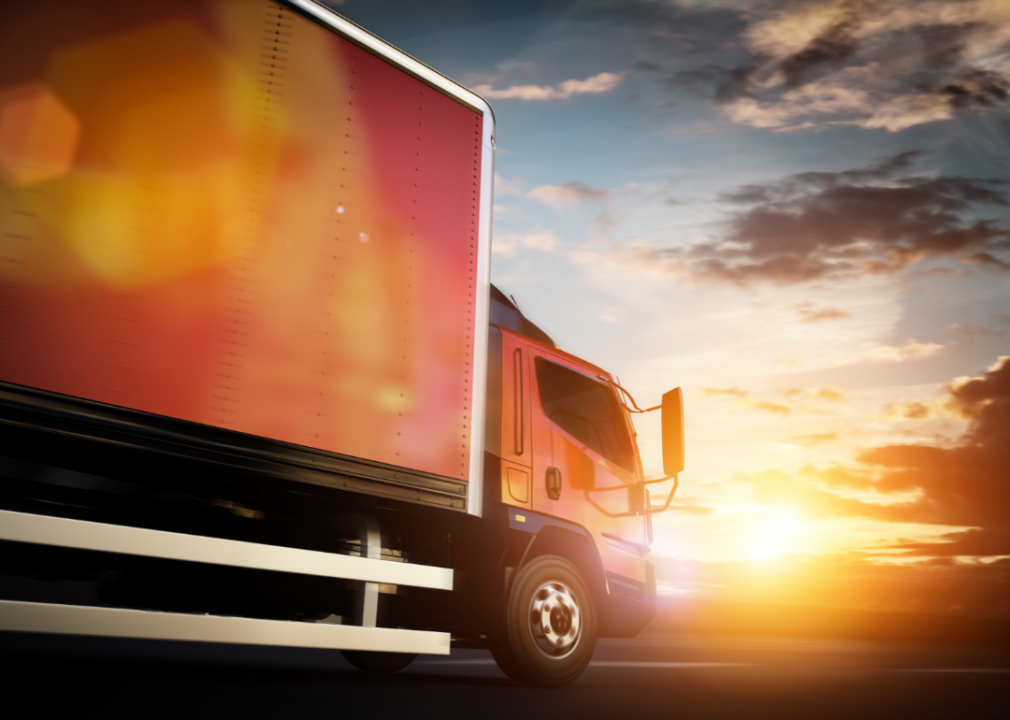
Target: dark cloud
645 66
965 485
978 542
942 44
977 88
986 259
788 188
722 84
831 47
948 74
898 66
586 192
874 220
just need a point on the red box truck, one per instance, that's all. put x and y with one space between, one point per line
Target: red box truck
255 384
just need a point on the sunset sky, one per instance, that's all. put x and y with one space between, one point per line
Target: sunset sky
799 212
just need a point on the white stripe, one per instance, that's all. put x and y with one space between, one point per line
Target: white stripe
115 622
44 530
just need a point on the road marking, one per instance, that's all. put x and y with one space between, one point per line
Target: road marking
607 664
953 670
646 664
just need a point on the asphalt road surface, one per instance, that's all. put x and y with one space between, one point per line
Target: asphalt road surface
669 677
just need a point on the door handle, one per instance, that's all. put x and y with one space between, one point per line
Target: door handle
553 483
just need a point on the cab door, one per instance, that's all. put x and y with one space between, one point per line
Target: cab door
584 458
516 445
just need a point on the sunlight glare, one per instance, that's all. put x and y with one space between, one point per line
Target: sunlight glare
775 533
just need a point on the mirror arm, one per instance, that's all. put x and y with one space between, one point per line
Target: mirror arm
628 395
664 479
666 506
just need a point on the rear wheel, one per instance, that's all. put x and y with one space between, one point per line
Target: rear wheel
549 629
378 662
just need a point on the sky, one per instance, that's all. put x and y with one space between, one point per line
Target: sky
799 212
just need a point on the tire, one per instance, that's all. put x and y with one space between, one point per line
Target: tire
548 632
378 662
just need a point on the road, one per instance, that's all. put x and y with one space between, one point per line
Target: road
669 677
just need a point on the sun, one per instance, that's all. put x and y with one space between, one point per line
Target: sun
775 532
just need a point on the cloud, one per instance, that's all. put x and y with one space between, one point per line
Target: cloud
569 193
889 64
817 226
979 542
962 485
940 586
826 394
735 392
542 240
913 410
504 186
809 313
725 84
969 330
911 351
743 400
814 438
765 406
508 244
595 85
687 506
797 399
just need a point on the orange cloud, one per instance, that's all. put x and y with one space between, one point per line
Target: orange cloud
814 438
569 193
776 408
911 351
809 313
961 486
595 85
735 392
826 394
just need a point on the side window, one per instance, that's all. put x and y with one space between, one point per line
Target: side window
585 409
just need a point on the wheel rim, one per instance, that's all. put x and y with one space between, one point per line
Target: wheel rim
555 619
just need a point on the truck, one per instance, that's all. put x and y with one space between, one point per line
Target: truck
256 386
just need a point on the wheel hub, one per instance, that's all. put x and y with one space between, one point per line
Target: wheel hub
555 619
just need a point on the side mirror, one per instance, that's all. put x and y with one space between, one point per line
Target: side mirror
673 432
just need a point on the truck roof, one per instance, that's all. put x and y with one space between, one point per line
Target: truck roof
505 314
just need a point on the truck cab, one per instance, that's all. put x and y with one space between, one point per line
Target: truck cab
563 468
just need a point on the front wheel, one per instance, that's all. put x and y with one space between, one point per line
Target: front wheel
378 662
549 629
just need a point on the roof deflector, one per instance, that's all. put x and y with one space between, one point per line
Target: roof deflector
505 314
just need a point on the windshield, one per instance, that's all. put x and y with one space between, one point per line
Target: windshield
586 409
